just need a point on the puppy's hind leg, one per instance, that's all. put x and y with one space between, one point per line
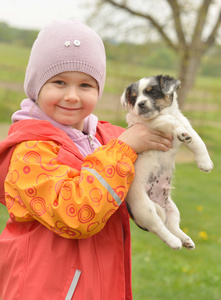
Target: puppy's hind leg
172 223
144 213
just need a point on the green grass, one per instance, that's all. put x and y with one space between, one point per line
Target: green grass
13 60
3 216
9 103
159 273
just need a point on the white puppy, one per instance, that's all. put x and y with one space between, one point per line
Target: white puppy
152 101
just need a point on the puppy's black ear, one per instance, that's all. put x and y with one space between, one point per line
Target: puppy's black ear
126 96
168 84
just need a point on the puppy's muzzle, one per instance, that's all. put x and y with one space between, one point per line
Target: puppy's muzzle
142 104
143 108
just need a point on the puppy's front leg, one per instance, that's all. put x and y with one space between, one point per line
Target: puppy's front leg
197 146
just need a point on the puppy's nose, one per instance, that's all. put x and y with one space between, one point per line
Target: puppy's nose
142 104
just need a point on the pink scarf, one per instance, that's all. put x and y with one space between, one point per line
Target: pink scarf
86 142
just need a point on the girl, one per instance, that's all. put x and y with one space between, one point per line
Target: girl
66 176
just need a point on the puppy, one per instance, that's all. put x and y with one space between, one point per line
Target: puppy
153 102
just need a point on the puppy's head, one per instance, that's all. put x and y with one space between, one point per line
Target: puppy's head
150 95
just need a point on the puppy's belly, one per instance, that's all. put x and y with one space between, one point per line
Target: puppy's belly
154 171
158 187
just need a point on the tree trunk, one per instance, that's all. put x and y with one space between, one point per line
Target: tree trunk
189 64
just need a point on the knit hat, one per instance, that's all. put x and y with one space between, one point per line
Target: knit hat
65 46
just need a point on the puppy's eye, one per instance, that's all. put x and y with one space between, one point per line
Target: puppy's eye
152 92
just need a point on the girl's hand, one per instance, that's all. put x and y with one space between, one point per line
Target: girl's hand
140 138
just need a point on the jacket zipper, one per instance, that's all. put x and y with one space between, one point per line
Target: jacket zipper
90 138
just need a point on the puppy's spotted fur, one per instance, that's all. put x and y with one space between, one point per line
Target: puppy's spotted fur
152 101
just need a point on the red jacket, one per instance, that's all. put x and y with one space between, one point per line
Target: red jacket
36 263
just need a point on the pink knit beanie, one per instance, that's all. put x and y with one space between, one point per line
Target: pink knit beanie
65 46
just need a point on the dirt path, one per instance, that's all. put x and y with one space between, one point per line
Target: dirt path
12 86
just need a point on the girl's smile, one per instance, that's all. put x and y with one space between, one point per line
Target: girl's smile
69 98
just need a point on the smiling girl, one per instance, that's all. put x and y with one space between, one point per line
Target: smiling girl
69 98
65 176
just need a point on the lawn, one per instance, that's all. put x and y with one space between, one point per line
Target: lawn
159 273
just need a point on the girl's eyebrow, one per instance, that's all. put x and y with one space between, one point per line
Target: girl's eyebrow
64 77
58 76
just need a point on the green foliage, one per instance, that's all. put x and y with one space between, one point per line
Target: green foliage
17 36
151 55
211 64
159 56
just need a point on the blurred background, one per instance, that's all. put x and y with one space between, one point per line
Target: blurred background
180 38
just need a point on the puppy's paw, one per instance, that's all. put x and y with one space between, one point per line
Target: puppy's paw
174 243
189 244
184 137
205 165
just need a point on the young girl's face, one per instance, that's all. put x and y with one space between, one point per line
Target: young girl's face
69 98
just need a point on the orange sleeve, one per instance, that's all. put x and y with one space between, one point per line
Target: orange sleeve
70 203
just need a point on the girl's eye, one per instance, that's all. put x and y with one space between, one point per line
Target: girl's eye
85 85
59 82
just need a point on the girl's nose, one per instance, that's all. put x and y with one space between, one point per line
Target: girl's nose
71 94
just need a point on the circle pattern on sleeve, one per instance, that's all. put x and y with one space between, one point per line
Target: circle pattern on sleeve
70 203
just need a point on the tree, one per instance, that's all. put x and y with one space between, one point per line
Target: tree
188 27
